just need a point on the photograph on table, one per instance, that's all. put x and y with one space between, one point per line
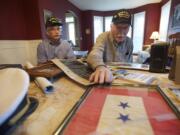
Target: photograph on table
123 110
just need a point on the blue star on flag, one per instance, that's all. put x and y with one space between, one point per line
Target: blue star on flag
124 105
124 118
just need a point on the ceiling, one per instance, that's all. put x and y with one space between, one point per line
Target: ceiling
109 5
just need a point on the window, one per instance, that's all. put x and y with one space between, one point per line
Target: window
70 22
138 31
108 21
165 11
98 26
130 32
71 28
70 19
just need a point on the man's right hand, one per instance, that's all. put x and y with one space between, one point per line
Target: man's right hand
101 75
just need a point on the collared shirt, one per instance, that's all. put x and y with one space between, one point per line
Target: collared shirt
48 50
107 50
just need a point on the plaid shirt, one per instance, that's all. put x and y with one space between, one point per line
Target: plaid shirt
107 50
47 51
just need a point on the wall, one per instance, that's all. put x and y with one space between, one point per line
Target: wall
31 13
19 20
22 27
152 19
24 19
153 12
59 8
87 23
20 31
151 24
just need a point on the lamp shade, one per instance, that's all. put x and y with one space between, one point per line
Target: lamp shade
154 35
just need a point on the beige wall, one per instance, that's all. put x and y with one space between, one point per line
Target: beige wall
18 51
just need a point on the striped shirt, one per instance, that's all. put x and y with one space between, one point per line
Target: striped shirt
107 50
47 51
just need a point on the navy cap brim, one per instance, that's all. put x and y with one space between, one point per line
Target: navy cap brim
121 22
54 24
122 16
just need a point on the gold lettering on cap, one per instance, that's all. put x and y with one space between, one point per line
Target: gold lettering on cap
124 14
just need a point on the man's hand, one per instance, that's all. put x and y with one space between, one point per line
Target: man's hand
101 75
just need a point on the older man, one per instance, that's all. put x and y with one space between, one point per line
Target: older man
54 46
111 46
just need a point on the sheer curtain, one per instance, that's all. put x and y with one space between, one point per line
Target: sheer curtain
71 29
108 20
164 22
138 31
98 26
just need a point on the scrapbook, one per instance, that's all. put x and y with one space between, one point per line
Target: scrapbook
48 70
75 70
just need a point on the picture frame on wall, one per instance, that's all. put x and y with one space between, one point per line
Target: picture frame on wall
47 14
176 17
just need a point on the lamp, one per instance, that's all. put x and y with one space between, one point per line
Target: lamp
155 36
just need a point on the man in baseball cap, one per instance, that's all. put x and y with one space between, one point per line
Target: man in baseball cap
111 46
53 21
54 46
122 17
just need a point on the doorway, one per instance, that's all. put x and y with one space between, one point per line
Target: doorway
72 30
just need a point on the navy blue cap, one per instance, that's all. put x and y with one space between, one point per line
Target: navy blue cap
123 16
53 21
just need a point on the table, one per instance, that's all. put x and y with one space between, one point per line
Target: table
54 107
